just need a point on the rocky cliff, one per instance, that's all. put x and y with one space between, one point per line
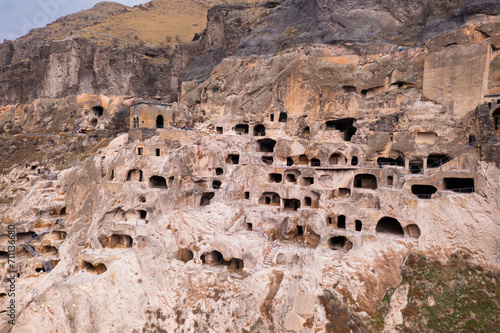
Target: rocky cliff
298 166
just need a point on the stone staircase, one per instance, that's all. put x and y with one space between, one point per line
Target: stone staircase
268 259
438 165
46 262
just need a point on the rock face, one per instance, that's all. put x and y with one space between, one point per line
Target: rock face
55 69
313 176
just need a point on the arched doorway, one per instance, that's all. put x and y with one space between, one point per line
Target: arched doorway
159 122
496 120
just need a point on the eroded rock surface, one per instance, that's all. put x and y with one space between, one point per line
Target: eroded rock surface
304 187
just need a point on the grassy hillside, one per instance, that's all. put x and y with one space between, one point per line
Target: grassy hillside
159 22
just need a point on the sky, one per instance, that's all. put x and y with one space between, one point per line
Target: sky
17 17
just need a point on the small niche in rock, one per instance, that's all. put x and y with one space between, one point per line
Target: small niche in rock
134 175
291 204
339 243
96 268
337 159
233 159
268 160
343 192
341 222
358 225
303 160
185 255
120 241
270 198
412 230
275 178
307 181
206 198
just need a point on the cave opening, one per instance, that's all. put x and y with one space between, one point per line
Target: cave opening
339 243
275 178
259 130
241 129
307 181
341 222
337 159
365 181
290 178
160 122
358 225
423 191
315 162
291 204
460 185
157 182
98 111
303 160
270 198
389 225
205 198
233 159
283 118
266 145
381 161
344 126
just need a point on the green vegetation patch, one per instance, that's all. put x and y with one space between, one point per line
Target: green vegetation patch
456 296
